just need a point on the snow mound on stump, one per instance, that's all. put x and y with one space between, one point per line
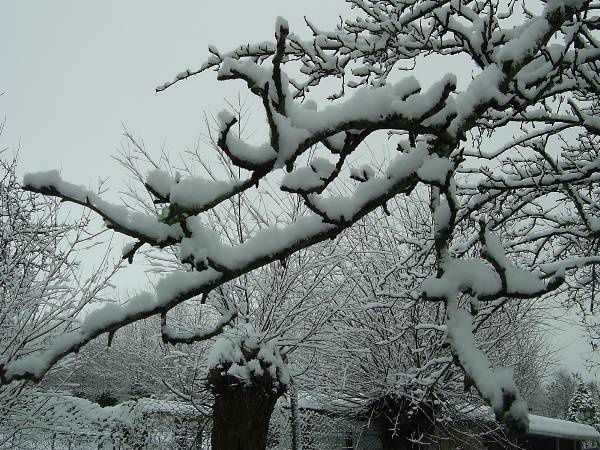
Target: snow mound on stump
248 360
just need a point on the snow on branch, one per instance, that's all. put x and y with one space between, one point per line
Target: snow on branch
191 195
141 226
170 291
516 282
495 385
226 263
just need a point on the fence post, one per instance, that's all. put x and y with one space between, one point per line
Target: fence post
296 419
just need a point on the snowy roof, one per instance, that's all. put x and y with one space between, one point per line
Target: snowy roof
547 426
538 425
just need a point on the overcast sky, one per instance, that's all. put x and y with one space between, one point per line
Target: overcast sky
75 72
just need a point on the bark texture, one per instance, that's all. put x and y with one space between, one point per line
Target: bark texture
241 418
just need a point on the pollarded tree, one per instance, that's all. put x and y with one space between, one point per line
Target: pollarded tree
388 361
280 309
272 312
520 74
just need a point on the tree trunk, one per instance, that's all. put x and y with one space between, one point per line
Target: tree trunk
241 418
295 417
242 409
390 441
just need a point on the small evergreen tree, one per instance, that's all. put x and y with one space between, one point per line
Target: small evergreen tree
583 408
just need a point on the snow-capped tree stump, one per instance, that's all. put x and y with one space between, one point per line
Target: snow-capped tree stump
246 377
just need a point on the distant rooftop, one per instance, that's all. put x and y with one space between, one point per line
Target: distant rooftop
547 426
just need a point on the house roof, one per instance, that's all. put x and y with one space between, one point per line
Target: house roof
547 426
542 426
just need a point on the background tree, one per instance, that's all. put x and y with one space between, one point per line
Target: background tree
387 360
583 408
42 293
559 392
136 365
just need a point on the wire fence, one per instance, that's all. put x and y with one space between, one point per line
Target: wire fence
73 423
320 431
70 423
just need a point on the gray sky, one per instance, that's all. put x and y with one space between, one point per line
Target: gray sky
75 71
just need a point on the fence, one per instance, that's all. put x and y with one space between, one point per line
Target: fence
71 423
